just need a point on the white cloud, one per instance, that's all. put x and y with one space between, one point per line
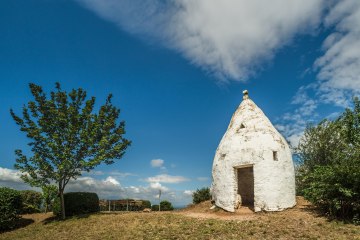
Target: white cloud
157 163
227 38
11 178
158 186
112 180
165 178
10 175
188 192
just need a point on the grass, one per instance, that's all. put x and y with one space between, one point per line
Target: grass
297 223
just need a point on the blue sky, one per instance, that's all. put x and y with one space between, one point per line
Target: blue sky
177 70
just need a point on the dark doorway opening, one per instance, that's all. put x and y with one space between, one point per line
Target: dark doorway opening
245 182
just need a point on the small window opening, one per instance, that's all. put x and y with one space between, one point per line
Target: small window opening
242 126
275 156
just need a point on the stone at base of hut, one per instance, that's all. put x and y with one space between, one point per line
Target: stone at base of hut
147 210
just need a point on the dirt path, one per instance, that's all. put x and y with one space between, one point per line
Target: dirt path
203 211
234 217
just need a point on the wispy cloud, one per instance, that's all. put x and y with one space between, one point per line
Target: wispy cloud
339 66
338 70
202 179
157 162
165 178
292 124
116 173
228 39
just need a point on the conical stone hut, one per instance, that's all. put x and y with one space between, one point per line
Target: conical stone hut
253 164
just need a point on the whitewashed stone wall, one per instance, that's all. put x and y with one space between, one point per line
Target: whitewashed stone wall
250 140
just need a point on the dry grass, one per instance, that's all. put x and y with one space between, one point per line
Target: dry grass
297 223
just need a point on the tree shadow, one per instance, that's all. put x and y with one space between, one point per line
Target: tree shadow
321 213
20 223
59 219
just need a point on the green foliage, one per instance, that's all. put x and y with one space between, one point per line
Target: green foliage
31 201
10 207
78 203
201 195
145 204
166 206
50 192
329 174
66 137
155 207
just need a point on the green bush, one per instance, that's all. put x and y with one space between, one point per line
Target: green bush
155 207
329 171
145 204
166 206
31 201
77 203
201 195
10 207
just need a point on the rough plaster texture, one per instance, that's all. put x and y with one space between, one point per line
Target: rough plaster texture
252 141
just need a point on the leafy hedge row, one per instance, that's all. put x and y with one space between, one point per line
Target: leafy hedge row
31 201
10 207
77 203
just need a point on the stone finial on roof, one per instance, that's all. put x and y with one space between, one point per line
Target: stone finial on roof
245 94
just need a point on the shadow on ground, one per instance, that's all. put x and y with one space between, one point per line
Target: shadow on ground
20 223
58 219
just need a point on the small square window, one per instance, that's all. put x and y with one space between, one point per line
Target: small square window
275 155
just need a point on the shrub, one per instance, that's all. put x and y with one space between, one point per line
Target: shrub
155 207
10 207
201 195
166 206
31 201
77 203
145 204
329 171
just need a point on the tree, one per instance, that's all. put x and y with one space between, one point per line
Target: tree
201 195
49 195
67 137
145 204
329 172
166 206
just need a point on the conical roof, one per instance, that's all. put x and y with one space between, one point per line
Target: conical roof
250 123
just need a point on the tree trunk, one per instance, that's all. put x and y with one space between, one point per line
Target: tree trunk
62 204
